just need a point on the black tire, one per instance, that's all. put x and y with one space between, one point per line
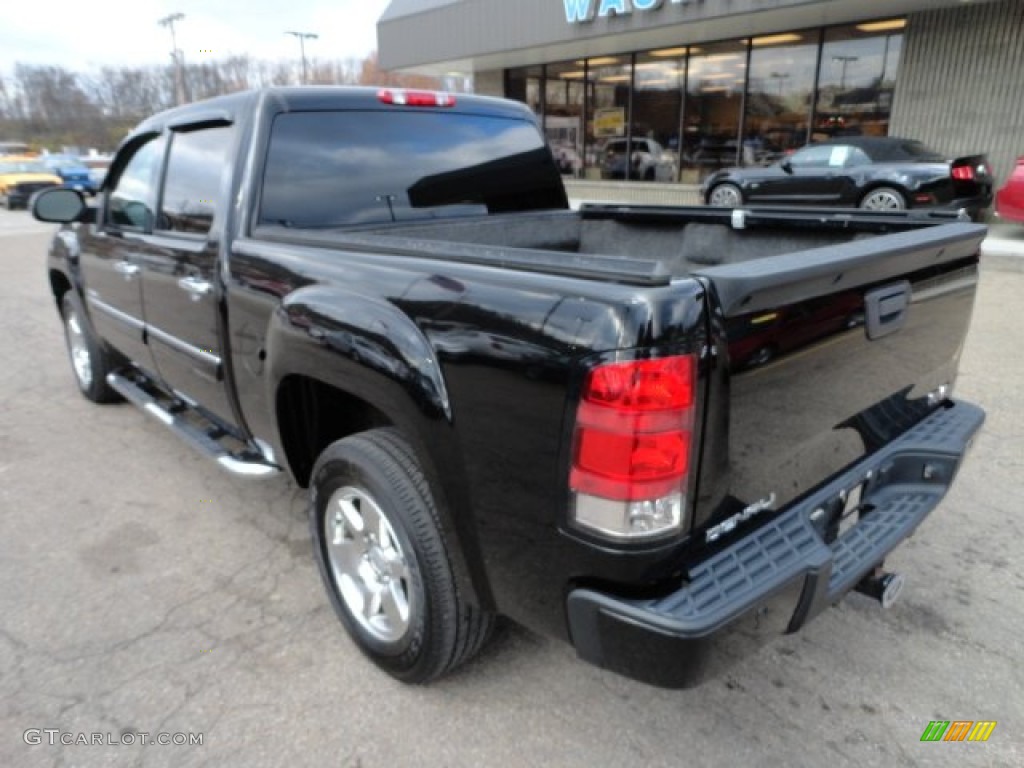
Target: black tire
376 473
90 360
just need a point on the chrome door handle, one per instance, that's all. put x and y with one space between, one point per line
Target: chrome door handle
196 287
127 269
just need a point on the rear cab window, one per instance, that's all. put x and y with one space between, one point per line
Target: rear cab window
352 168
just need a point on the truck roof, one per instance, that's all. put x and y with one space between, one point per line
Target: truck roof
232 107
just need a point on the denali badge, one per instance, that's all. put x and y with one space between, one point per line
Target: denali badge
729 524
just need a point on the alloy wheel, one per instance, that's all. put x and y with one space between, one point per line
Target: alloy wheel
78 347
368 565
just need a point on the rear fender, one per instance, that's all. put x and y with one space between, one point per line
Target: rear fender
368 349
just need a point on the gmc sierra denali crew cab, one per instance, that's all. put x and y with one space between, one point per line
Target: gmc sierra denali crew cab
663 434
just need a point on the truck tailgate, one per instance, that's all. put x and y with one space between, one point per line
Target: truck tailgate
831 354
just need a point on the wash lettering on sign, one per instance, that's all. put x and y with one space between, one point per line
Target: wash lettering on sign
577 11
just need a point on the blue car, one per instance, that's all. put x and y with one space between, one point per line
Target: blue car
72 171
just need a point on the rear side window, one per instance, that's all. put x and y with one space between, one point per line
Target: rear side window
857 157
192 183
333 169
812 157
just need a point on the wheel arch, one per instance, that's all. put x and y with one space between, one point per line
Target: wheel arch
63 265
340 364
60 284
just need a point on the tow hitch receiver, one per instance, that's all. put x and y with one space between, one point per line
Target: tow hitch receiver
883 586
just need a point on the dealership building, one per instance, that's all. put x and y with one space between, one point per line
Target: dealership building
694 85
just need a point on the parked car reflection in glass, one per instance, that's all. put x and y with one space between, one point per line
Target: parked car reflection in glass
647 160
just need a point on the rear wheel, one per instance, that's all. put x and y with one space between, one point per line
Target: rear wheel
884 199
90 360
385 562
725 196
762 356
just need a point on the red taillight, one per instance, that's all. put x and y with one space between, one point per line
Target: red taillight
642 385
627 467
963 173
404 98
633 429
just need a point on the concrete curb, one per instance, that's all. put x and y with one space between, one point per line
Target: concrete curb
1003 249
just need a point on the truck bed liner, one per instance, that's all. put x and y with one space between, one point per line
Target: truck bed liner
641 246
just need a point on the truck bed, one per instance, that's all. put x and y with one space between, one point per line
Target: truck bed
637 245
681 240
812 386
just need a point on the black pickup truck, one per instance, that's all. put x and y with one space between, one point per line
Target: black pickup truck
663 434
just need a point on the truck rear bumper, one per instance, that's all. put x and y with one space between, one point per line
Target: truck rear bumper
776 578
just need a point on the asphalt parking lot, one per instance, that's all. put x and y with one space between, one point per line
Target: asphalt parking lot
142 590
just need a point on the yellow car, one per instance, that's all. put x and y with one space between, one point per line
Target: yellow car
21 177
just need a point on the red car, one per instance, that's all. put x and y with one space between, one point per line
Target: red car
1010 199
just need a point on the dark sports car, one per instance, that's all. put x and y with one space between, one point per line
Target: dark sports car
875 173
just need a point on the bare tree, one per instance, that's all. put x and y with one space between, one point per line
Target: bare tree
371 74
53 106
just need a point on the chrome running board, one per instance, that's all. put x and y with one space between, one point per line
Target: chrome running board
195 429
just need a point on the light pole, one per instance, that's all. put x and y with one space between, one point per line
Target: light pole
176 56
845 61
303 37
780 78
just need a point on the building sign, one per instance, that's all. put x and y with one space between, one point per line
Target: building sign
609 122
577 11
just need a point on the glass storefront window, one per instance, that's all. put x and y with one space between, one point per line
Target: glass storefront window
714 97
659 80
778 104
609 79
563 115
858 75
524 84
680 113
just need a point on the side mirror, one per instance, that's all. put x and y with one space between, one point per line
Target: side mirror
786 166
58 206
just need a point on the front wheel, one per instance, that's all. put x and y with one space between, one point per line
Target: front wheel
90 360
725 196
384 559
884 199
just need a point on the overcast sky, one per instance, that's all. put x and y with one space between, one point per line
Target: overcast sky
87 34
